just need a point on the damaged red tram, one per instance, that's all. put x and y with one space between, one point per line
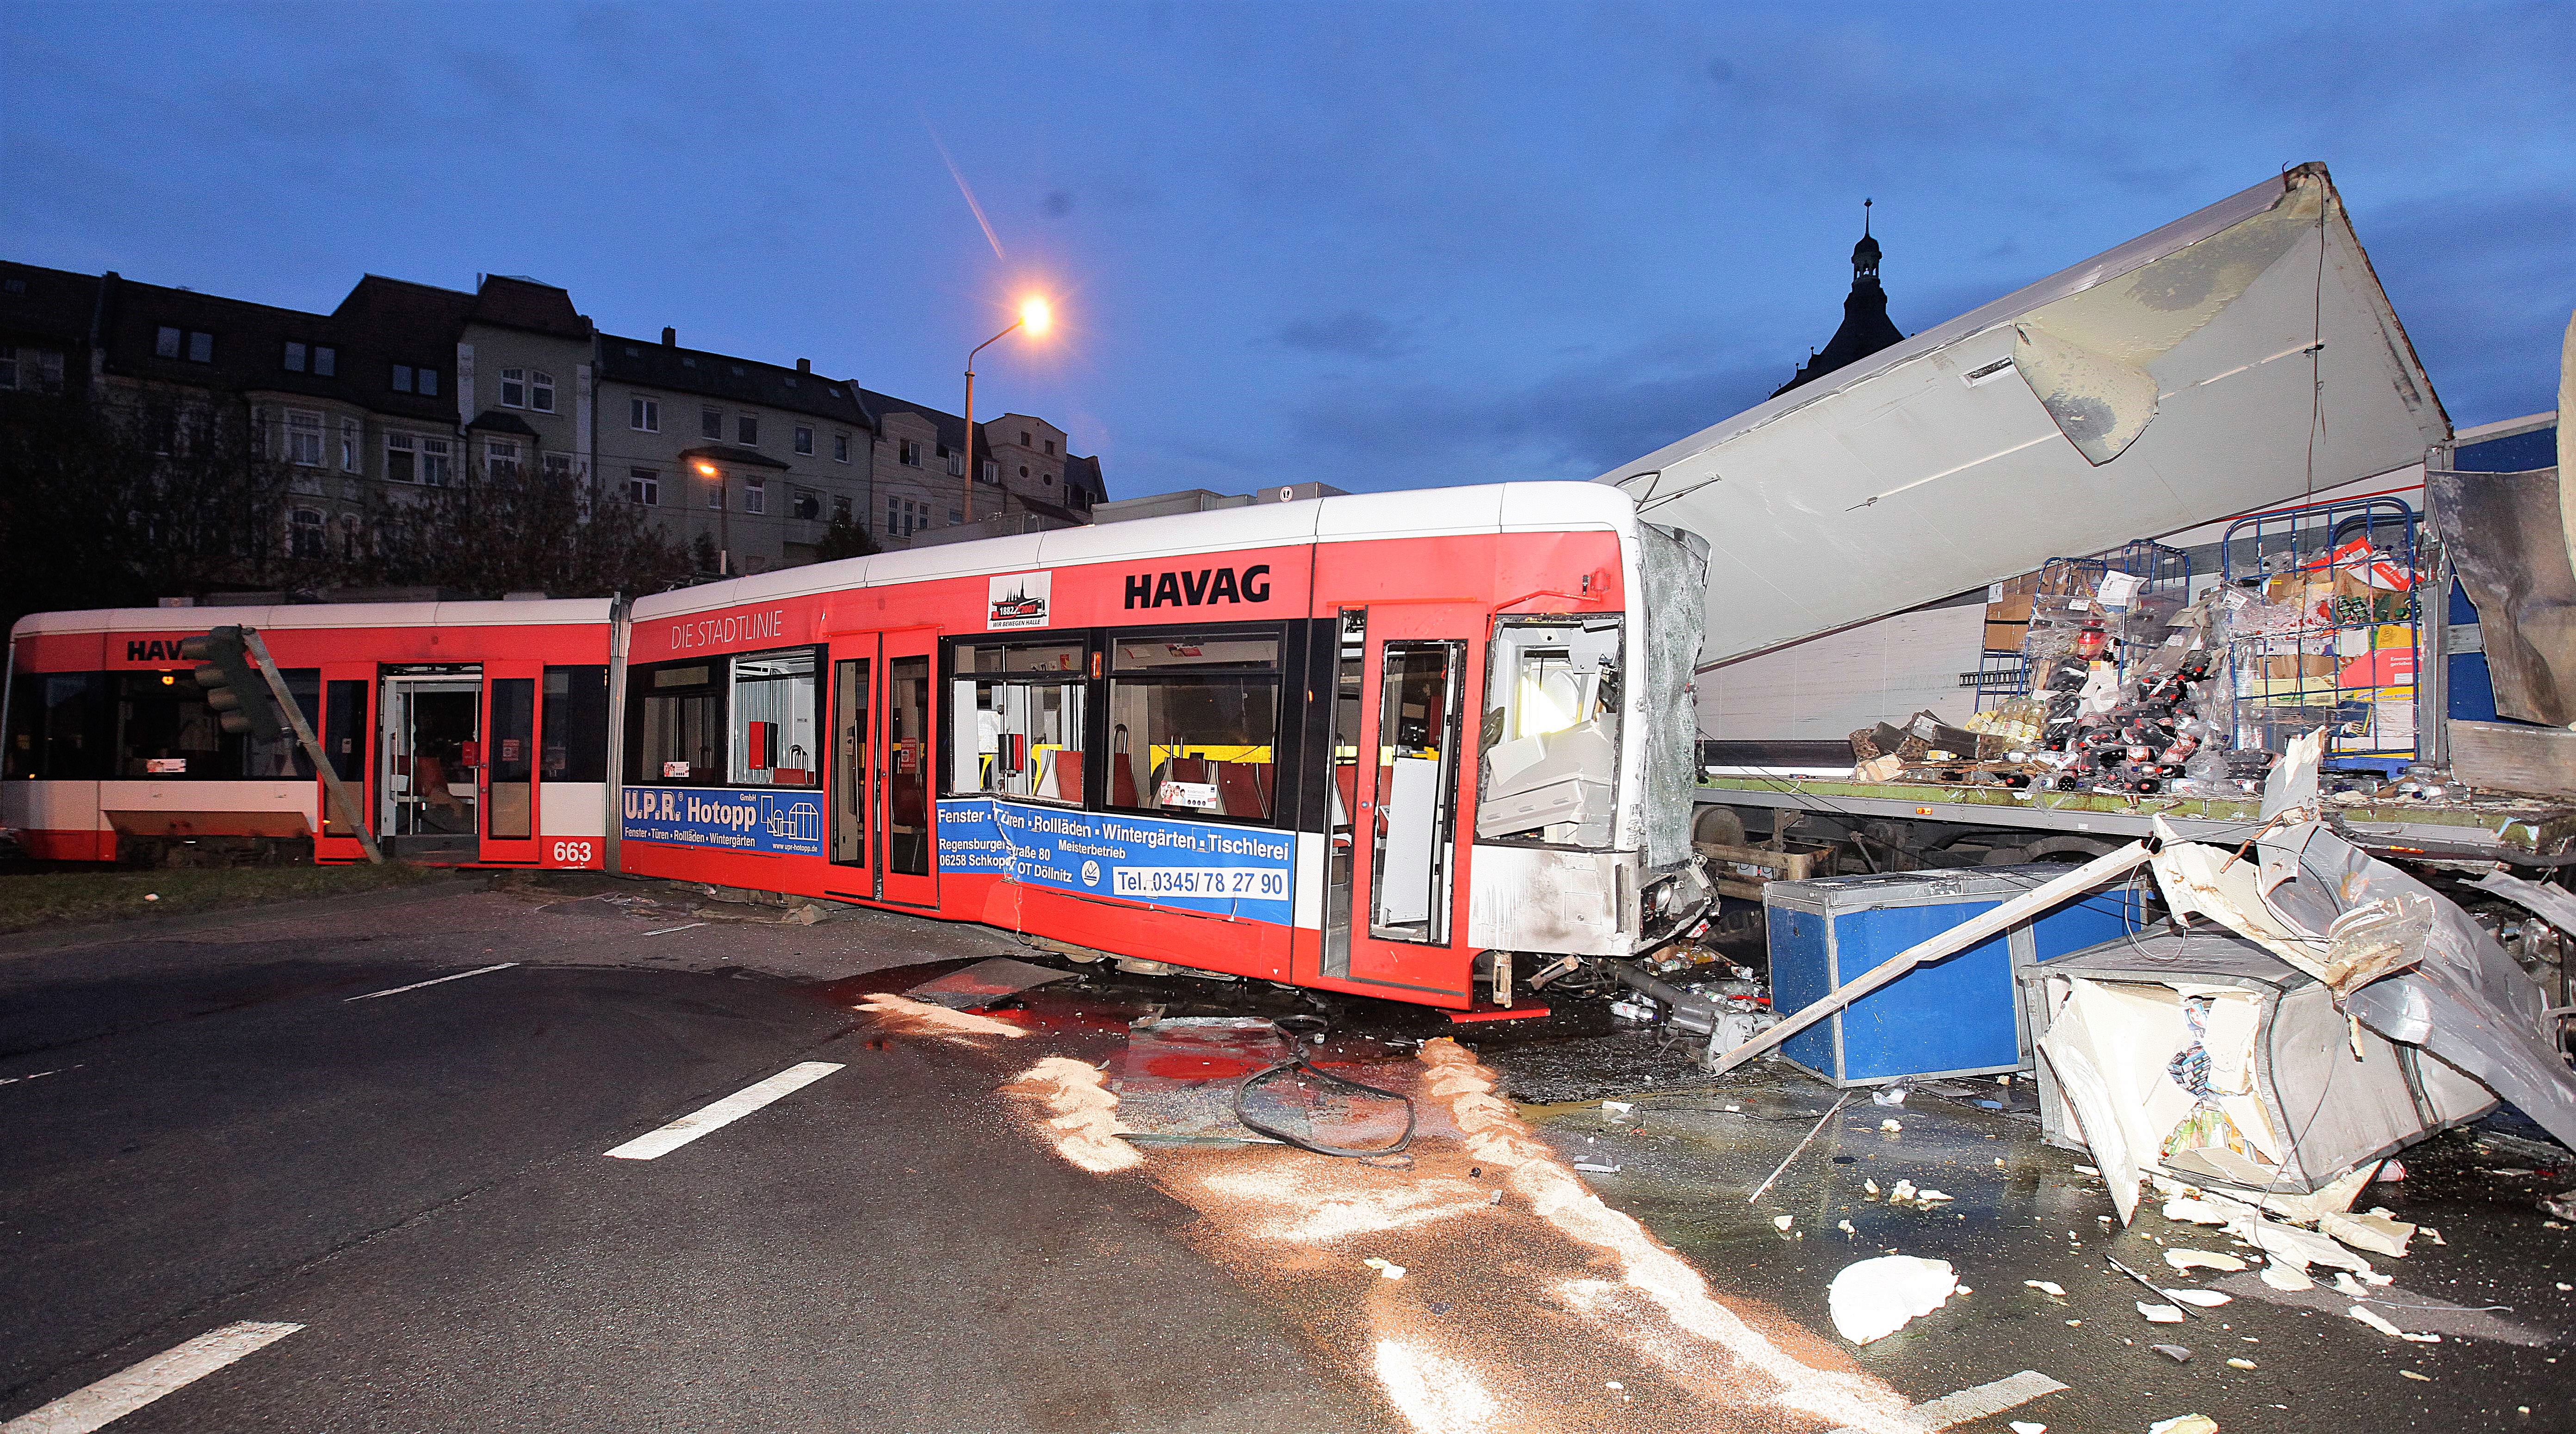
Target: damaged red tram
1384 744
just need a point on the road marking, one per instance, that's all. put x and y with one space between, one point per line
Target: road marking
40 1075
653 1145
122 1393
667 930
440 981
1976 1402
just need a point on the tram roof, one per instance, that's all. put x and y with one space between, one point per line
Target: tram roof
1349 518
522 612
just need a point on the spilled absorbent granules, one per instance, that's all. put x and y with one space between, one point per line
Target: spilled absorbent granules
1759 1370
907 1017
1081 1114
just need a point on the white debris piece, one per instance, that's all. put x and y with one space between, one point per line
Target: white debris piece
1871 1186
2239 1362
1618 1107
1596 1168
2349 1287
1929 1196
2025 1426
1385 1267
1893 1095
2378 1232
2047 1287
2160 1314
1890 1126
2205 1299
1783 1222
2185 1424
1904 1191
2086 1170
1875 1298
1846 1227
2284 1278
2198 1212
2303 1248
2378 1322
2185 1259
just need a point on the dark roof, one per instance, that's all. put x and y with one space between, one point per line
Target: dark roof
511 302
249 349
951 428
1051 510
714 375
732 457
1084 473
47 303
1865 328
494 420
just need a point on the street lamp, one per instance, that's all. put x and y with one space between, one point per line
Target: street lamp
1037 316
724 519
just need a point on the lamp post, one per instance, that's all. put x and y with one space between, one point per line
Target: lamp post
724 518
1035 316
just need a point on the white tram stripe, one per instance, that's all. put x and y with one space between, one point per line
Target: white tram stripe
438 981
653 1145
130 1389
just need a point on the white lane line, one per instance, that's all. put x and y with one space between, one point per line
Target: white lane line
439 981
122 1393
667 930
1976 1402
40 1075
653 1145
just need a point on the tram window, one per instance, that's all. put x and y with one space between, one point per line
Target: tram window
1551 731
1193 722
57 727
1017 714
777 725
166 732
675 736
576 725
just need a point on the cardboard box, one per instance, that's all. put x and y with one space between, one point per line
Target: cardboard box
2280 665
2005 636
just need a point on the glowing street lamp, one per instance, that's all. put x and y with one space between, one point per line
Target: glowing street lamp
1037 316
724 518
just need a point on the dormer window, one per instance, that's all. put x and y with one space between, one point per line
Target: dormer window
541 391
514 388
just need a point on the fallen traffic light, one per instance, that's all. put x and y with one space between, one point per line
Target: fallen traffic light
235 689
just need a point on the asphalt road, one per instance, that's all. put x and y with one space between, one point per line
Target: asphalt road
204 1128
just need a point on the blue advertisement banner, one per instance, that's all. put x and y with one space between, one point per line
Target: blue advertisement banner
1195 866
785 821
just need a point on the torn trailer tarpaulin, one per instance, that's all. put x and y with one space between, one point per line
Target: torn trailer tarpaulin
2509 547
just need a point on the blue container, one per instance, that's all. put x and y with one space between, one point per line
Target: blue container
1960 1015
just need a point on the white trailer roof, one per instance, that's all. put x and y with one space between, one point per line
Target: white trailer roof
2165 383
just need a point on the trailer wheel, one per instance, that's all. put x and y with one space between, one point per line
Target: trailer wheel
1721 825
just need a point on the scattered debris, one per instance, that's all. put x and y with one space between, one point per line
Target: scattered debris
2205 1299
2025 1426
2185 1424
2186 1259
2418 1378
1871 1186
2047 1287
2160 1314
1890 1126
1594 1168
1876 1298
1846 1228
1386 1268
1821 1121
2380 1323
2237 1361
2174 1352
1782 1223
1893 1095
2378 1232
1619 1107
2287 1279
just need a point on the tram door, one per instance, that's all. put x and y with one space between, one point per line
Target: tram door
507 777
1398 733
882 816
431 739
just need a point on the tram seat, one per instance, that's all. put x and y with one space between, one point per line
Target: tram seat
1063 777
1243 788
1122 780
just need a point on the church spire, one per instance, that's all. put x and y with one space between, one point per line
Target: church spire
1865 327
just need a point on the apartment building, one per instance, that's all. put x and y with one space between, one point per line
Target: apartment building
757 459
1024 468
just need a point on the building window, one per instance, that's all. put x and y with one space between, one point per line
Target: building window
840 507
435 468
326 360
402 378
1050 447
1193 722
1047 478
559 467
840 448
806 504
259 433
500 459
304 439
348 445
755 495
644 486
30 370
1024 438
992 472
201 348
1018 716
428 379
401 462
956 516
541 391
411 458
715 490
956 461
908 452
295 358
167 345
746 430
644 415
711 423
804 439
514 388
894 515
304 533
1024 473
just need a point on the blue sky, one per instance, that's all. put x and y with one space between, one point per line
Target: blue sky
1372 244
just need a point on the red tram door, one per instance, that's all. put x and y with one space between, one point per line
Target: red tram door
506 777
1397 778
345 730
882 821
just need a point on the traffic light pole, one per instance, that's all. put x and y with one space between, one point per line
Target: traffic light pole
286 703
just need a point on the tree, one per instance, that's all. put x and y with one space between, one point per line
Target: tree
518 529
845 539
